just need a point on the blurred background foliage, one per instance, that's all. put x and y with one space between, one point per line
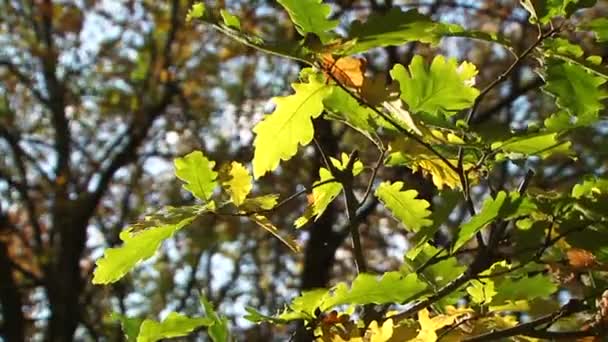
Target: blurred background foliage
98 96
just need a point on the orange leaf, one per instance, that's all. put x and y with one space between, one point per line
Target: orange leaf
347 70
580 258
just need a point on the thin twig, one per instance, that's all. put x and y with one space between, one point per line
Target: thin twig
572 307
462 174
502 77
328 165
352 204
283 202
372 178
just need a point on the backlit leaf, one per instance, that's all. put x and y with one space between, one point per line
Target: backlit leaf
392 287
310 16
412 212
580 258
591 64
545 10
416 157
219 328
543 144
197 172
279 134
481 291
441 211
129 325
443 89
237 182
323 195
577 91
429 326
600 27
525 288
591 188
260 203
174 325
265 223
438 274
394 27
349 71
136 247
197 11
308 302
375 333
303 306
563 47
562 121
345 108
504 206
230 19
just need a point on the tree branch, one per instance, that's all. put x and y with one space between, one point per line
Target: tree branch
573 306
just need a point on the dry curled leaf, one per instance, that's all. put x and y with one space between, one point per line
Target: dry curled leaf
349 71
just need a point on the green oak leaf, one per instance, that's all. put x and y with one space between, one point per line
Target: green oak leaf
255 316
197 11
345 108
592 64
197 172
599 26
129 325
542 144
563 47
504 206
441 212
544 10
323 195
310 16
443 89
577 91
237 181
526 288
230 19
562 121
303 306
260 203
392 287
308 302
590 187
279 134
138 246
412 212
174 325
437 275
481 291
394 27
219 328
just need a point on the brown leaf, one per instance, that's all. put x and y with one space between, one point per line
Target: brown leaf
376 89
347 70
580 258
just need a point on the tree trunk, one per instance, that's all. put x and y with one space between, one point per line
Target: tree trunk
13 327
64 279
323 242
